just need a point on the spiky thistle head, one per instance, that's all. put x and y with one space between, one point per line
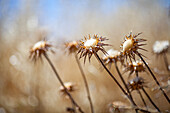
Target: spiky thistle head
72 47
161 47
112 56
135 66
71 87
131 45
91 45
136 83
39 48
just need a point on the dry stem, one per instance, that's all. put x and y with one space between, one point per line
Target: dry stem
141 93
122 79
85 83
148 96
154 77
133 103
61 82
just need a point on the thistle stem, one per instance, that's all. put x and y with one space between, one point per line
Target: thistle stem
96 55
154 77
150 99
147 96
85 83
142 99
141 93
61 82
166 61
122 79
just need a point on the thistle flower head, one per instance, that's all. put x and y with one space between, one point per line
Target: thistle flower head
39 48
72 47
91 45
135 66
131 45
136 83
112 56
69 85
160 47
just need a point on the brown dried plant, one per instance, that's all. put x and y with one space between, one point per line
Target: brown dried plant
114 56
139 83
71 87
135 66
41 48
130 48
131 45
91 46
160 48
72 48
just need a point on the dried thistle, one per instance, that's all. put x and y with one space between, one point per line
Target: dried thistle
161 47
135 66
136 83
131 45
72 47
112 56
139 83
91 45
71 87
130 48
38 49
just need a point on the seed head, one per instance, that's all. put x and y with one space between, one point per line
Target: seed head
69 86
136 83
112 56
131 45
39 48
72 47
160 47
91 45
135 66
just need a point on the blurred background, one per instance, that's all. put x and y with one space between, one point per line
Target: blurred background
28 87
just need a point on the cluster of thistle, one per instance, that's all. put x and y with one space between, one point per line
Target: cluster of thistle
128 57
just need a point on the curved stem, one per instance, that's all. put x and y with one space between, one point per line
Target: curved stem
166 61
150 99
154 77
142 99
122 79
141 93
61 82
96 55
85 83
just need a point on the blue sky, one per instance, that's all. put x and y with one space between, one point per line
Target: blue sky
54 8
61 15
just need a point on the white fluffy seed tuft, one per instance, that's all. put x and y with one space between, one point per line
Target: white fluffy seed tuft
90 43
160 46
111 53
39 45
